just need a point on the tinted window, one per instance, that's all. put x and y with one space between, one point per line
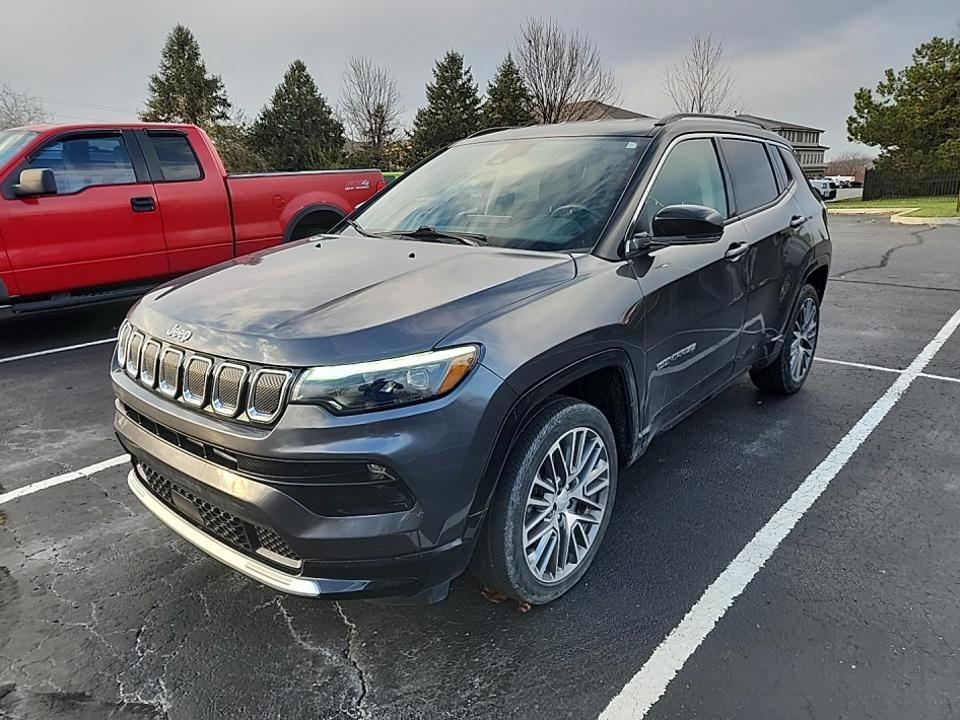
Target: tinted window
177 161
84 161
750 172
689 176
783 179
789 164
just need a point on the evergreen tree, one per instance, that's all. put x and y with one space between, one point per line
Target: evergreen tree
297 130
452 111
182 91
914 113
508 102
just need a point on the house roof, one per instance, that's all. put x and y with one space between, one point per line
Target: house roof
771 124
596 110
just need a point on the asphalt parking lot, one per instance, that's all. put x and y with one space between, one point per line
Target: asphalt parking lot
105 614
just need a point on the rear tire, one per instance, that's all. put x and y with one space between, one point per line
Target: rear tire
552 506
791 368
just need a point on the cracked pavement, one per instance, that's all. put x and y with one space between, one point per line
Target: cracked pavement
106 614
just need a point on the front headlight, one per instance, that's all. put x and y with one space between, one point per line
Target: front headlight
380 384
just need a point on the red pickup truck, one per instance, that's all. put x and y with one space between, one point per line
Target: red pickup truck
91 213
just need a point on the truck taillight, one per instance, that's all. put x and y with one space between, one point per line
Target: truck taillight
380 185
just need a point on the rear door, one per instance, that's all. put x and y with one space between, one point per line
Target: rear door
101 228
694 296
193 202
765 205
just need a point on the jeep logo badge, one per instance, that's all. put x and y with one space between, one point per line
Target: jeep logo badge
179 333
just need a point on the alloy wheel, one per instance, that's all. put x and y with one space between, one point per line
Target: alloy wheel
804 340
566 505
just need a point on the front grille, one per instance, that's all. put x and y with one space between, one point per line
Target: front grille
220 523
269 540
224 387
133 354
148 363
170 372
195 374
267 394
227 386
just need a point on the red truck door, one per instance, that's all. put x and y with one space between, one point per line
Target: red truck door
101 228
193 198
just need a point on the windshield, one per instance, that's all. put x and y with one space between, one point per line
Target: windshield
553 194
12 142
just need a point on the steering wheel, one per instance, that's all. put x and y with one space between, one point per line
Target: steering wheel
576 213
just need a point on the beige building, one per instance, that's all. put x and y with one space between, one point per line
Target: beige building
805 141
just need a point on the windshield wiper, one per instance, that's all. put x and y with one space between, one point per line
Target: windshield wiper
356 226
425 232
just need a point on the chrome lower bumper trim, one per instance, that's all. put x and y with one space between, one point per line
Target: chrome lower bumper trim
261 572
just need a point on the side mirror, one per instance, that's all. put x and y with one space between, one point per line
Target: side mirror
37 181
678 225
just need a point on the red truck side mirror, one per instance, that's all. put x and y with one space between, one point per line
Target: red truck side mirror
36 181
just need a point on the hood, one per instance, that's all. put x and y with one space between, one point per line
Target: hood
344 299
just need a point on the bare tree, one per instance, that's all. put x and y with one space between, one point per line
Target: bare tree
702 81
849 163
20 108
563 72
370 106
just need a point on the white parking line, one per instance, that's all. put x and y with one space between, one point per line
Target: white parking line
650 683
57 350
864 366
65 478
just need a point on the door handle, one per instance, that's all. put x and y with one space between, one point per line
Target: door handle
143 204
797 220
737 251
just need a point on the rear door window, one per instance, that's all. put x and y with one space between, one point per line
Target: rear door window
175 156
751 173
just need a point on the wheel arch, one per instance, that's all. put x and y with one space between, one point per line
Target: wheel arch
584 380
314 209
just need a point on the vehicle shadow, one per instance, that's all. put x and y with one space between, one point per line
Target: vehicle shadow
21 334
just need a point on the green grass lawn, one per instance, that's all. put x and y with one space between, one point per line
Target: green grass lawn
929 206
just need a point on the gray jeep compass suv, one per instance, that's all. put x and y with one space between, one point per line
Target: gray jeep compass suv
458 376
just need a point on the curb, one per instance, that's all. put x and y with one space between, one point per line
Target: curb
897 215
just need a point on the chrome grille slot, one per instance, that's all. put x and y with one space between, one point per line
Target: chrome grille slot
170 371
196 372
133 354
148 363
227 386
266 394
122 338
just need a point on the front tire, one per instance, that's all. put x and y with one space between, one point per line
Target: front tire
552 506
790 369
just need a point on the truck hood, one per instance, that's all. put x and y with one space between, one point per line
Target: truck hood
341 300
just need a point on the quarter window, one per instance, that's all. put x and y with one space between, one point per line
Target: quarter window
750 173
176 158
86 161
689 176
783 177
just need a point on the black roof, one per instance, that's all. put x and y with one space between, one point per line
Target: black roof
639 127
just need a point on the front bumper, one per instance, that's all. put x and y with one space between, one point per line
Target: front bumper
402 553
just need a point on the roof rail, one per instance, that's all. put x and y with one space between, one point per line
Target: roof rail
487 131
667 119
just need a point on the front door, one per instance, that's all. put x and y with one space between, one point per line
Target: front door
101 228
694 296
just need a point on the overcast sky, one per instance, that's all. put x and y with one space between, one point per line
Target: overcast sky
795 60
